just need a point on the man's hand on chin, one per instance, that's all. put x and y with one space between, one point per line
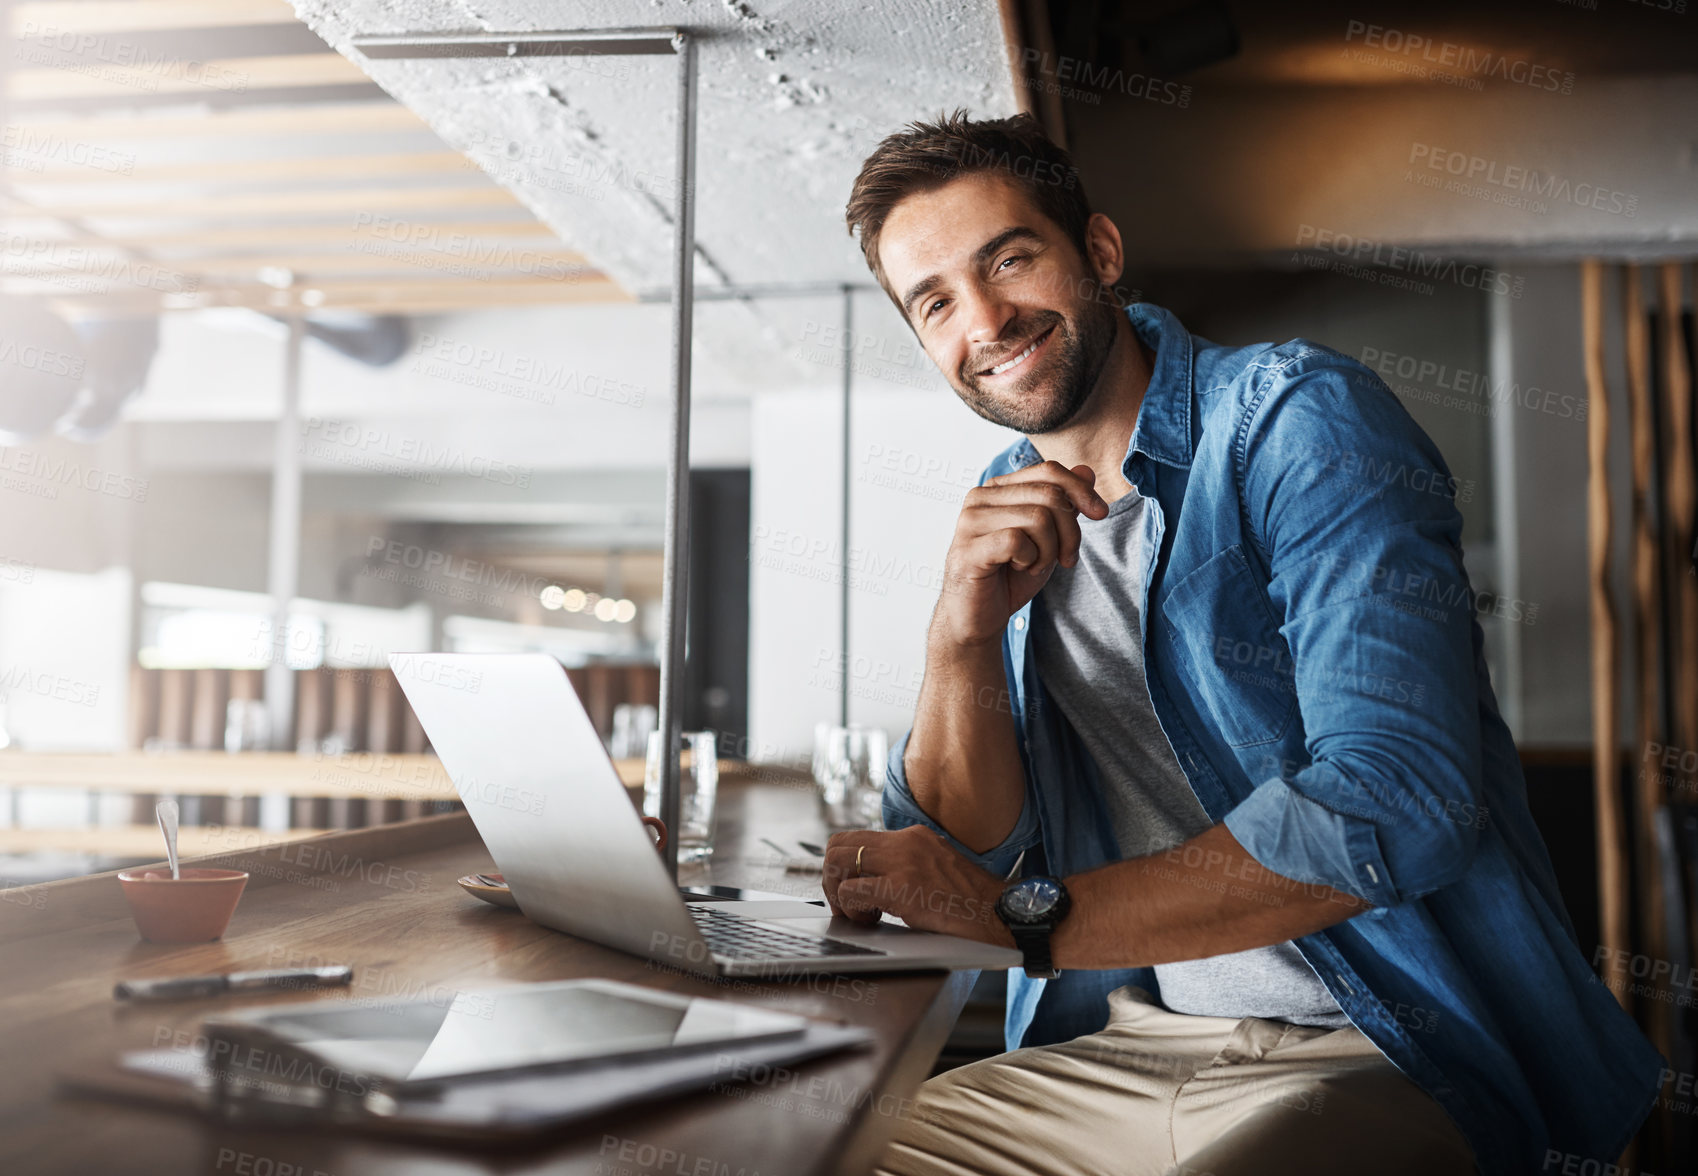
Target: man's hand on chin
915 875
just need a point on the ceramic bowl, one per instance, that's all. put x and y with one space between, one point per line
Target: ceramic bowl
194 908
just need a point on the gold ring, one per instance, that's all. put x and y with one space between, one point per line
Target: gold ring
858 854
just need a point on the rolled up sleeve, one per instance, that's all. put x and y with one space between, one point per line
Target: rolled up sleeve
1354 514
902 810
1300 839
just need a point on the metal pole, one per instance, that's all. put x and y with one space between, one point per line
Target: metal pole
675 593
628 41
843 542
5 110
756 291
283 569
644 41
1505 451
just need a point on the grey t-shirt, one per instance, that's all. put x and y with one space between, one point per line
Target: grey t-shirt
1088 642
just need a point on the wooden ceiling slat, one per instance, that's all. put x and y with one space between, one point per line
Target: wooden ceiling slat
327 119
390 298
50 46
233 75
277 236
126 15
486 258
376 201
522 259
248 171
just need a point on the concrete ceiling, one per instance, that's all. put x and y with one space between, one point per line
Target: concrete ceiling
792 97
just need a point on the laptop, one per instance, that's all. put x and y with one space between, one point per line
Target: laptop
538 784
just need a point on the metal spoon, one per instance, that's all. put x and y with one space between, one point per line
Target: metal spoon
166 812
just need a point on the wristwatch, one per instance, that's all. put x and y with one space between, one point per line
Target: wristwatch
1032 908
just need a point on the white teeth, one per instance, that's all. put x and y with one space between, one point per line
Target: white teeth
1004 366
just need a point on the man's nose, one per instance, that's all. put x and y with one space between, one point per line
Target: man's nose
987 315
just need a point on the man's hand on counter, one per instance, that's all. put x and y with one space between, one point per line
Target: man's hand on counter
917 876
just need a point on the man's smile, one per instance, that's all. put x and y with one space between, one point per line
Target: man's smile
1017 360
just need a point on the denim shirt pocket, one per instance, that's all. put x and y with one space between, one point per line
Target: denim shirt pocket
1224 629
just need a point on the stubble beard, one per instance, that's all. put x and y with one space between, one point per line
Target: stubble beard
1052 394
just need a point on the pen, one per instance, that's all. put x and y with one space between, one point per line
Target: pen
185 987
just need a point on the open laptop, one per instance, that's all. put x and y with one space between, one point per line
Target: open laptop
538 784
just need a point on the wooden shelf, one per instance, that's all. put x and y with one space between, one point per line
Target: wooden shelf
218 773
144 841
258 773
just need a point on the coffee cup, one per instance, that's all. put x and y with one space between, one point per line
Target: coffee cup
659 827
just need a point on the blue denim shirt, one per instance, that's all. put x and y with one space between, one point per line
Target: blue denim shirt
1313 657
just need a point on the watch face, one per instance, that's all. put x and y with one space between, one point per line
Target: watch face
1032 899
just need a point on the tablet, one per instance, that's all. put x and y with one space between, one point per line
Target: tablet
556 1024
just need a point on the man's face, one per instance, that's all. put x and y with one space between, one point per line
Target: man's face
1001 300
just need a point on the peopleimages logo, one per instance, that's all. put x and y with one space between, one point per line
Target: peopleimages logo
52 260
34 148
20 354
1416 262
1091 81
1426 58
1027 167
120 60
376 231
1477 170
1477 388
513 373
356 444
25 680
42 474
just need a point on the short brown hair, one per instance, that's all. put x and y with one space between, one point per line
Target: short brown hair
924 156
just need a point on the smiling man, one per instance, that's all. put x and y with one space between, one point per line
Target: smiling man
1252 815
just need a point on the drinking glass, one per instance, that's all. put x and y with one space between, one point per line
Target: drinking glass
632 724
698 787
247 725
850 774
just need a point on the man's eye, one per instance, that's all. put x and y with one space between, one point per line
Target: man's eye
1008 261
932 308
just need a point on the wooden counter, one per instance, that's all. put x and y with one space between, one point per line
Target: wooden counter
355 776
384 899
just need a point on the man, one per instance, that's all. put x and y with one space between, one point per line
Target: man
1247 804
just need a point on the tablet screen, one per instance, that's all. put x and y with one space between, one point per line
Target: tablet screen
509 1028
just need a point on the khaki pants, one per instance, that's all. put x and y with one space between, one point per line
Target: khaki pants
1163 1092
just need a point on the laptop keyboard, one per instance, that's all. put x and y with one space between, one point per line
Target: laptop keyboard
738 938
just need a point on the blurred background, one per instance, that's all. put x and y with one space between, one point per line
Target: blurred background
307 358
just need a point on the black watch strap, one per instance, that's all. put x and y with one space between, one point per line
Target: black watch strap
1033 943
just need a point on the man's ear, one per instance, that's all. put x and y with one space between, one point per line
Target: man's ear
1103 249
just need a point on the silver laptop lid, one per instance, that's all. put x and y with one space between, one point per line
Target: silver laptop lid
539 786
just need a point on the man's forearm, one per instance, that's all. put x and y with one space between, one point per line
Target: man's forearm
962 762
1203 898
